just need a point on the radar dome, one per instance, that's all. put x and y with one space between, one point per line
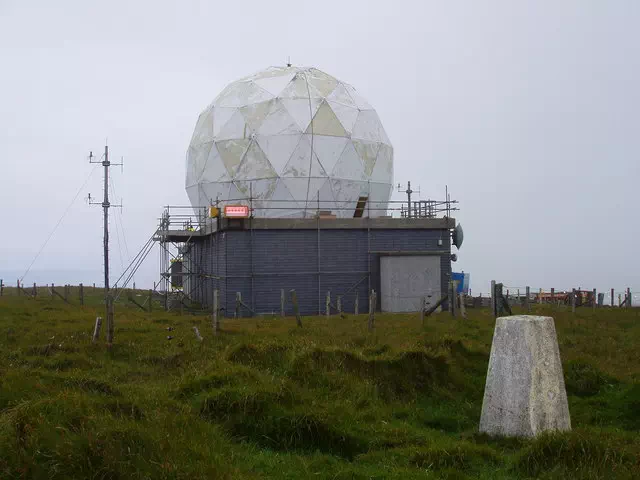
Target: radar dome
294 140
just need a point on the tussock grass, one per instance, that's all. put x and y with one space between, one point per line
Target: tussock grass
266 399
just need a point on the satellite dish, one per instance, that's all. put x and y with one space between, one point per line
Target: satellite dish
454 257
458 236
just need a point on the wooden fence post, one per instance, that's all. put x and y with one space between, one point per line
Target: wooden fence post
197 333
282 302
328 304
1 287
238 300
110 326
527 304
355 305
372 309
628 297
81 294
612 297
463 308
339 304
593 300
96 330
216 319
493 297
296 310
35 290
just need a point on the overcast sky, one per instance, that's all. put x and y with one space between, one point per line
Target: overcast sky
527 110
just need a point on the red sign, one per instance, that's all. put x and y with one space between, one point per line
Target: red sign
236 211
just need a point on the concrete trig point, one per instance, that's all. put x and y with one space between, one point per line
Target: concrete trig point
525 393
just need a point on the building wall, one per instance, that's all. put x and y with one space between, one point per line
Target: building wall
259 263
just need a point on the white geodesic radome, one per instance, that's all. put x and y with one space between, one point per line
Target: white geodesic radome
292 139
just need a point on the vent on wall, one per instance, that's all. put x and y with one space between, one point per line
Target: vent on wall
362 202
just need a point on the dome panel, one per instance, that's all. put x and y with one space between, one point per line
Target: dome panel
276 83
347 115
302 110
231 153
368 152
254 165
278 121
278 149
349 167
325 122
300 87
204 128
236 127
221 116
341 95
255 113
214 170
328 149
304 161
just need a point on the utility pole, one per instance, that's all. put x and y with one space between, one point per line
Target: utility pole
108 299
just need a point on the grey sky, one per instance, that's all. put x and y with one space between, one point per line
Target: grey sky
527 110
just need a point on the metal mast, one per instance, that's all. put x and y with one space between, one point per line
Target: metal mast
408 191
108 299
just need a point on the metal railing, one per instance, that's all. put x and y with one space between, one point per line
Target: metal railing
188 218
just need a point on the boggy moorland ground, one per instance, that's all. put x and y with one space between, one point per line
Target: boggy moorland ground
266 399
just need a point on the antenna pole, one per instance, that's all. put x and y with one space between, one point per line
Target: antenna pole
108 299
105 205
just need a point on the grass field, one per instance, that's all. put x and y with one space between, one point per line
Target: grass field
268 400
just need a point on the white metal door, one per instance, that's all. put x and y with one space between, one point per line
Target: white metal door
406 279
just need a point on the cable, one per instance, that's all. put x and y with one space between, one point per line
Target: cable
136 257
117 231
58 224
